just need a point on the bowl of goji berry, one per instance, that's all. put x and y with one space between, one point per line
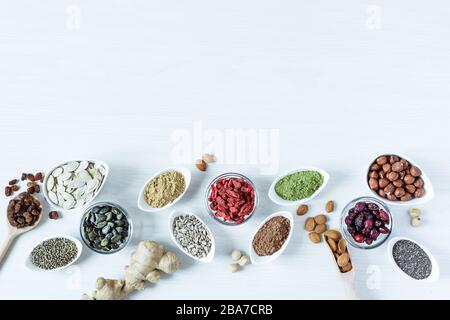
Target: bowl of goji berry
231 199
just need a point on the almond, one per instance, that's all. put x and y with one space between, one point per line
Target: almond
333 234
310 224
320 219
201 165
320 228
315 237
348 267
302 210
329 206
332 245
342 246
343 260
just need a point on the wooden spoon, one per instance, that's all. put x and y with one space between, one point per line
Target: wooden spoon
14 232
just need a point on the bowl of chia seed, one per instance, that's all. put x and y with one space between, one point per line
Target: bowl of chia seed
413 260
106 228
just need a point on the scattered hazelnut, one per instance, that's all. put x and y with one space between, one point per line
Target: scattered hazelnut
416 222
236 255
234 267
54 215
243 261
201 165
414 212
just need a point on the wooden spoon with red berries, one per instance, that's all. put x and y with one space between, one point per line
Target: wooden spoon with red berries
23 214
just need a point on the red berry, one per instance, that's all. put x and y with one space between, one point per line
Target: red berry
348 221
384 216
358 237
369 241
374 234
383 230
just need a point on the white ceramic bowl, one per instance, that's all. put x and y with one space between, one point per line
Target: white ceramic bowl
262 260
212 252
280 201
143 205
435 273
429 190
31 266
54 205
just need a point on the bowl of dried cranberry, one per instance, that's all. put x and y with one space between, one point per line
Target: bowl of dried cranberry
231 199
366 223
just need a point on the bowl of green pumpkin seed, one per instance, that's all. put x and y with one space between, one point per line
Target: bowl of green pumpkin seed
106 228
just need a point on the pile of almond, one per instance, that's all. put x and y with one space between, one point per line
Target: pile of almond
339 247
316 227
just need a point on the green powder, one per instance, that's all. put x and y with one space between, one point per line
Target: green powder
299 185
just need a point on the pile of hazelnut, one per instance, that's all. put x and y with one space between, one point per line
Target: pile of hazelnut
395 179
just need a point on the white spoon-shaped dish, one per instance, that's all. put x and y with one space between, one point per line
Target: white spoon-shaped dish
435 273
31 266
429 190
58 207
211 253
280 201
262 260
144 206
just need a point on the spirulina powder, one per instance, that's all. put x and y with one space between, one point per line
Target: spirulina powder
299 185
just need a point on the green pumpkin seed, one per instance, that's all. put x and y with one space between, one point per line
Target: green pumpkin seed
104 242
115 210
102 224
104 210
116 238
120 223
106 229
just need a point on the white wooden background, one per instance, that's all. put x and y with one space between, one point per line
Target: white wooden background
342 81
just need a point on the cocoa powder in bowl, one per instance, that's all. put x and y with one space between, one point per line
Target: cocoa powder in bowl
272 236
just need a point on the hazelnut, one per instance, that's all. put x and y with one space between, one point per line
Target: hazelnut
409 179
383 183
403 174
392 197
398 166
373 175
393 159
382 160
375 167
398 183
406 197
373 184
419 193
399 192
419 183
416 222
410 188
382 174
381 193
387 167
392 176
405 163
415 172
390 188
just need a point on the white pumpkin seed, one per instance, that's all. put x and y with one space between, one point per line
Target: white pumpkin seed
53 197
72 166
65 176
50 183
57 172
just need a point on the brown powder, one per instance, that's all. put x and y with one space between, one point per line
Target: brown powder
271 237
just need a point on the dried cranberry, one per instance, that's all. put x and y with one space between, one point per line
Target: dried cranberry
373 206
39 177
365 231
378 223
351 230
383 230
358 237
374 234
348 221
360 207
384 216
31 177
15 187
13 182
369 241
368 224
24 177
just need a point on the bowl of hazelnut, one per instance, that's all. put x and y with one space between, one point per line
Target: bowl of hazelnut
398 180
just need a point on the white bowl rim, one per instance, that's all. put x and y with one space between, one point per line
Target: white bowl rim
429 189
255 259
435 272
77 242
211 254
142 205
278 200
54 205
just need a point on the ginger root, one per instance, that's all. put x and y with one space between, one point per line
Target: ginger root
147 262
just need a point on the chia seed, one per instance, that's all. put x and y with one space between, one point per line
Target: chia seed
412 259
